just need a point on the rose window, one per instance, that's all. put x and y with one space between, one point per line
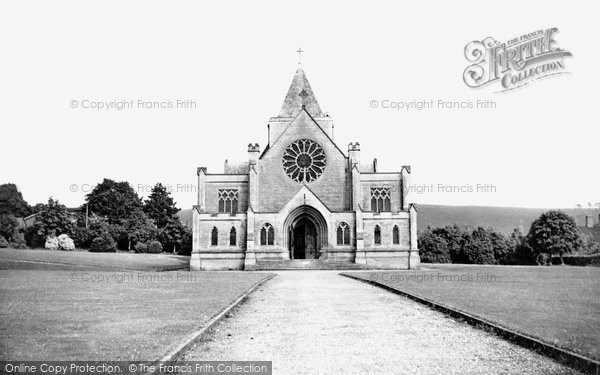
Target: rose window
304 161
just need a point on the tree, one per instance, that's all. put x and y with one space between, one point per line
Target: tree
160 206
173 234
433 248
113 200
455 236
503 246
138 228
54 219
554 232
520 251
8 226
12 202
478 248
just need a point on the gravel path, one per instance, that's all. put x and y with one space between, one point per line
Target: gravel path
313 322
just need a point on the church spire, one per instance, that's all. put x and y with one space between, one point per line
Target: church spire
299 95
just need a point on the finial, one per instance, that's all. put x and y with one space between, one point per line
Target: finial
300 55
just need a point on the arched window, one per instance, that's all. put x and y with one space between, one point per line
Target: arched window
214 237
267 235
232 237
396 235
343 234
377 235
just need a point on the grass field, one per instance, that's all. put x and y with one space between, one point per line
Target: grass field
559 305
69 260
102 314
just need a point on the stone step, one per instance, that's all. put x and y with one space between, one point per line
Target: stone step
306 264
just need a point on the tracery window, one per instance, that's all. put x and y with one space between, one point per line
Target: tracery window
380 199
304 161
267 235
343 234
228 201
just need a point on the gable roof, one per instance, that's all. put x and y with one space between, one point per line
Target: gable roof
300 95
293 202
292 122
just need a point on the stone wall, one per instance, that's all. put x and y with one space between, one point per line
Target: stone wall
276 189
212 195
389 180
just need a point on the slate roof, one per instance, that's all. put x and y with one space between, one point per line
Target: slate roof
300 93
235 168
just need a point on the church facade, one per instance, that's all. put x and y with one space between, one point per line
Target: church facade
303 197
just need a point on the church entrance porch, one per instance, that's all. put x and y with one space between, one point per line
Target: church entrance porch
305 233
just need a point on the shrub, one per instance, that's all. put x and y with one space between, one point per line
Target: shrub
579 260
103 243
18 241
65 242
155 247
522 255
3 242
82 237
141 247
51 243
33 239
589 245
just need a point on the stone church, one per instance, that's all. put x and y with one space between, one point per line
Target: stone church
303 197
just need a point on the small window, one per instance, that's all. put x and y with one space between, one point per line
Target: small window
396 235
232 237
271 236
267 235
214 237
263 236
343 234
377 235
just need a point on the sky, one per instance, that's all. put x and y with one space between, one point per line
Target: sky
232 63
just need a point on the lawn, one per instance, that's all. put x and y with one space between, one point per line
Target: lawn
101 313
559 305
70 260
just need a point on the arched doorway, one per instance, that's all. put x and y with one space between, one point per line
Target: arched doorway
305 230
304 240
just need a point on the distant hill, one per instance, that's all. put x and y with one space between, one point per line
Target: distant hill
501 219
186 217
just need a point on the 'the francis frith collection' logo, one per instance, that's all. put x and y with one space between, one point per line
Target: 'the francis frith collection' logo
515 63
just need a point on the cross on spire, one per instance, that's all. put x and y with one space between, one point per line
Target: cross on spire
300 55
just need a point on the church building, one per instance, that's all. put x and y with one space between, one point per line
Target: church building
303 197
